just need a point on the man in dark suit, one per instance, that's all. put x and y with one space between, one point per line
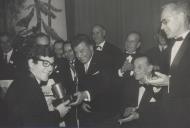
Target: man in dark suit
159 53
132 45
94 86
8 57
110 53
175 23
66 73
142 101
26 99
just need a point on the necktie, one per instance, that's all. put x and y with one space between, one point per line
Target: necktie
173 40
72 66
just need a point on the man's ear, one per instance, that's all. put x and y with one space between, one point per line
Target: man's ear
104 33
139 44
30 63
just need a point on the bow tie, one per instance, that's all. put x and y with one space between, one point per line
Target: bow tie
126 52
72 62
143 85
99 48
43 83
178 39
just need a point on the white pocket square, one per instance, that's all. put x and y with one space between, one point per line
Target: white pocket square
97 72
152 99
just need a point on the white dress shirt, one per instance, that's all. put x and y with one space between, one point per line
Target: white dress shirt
176 46
141 93
9 54
86 65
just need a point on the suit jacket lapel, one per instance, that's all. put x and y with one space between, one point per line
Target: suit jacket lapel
180 53
148 94
92 66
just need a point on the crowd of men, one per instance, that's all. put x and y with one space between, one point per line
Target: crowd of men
102 86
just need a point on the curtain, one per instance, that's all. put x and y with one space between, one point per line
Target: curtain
118 16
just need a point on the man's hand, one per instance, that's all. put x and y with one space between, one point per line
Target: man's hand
127 66
159 80
132 116
86 107
80 97
63 109
128 111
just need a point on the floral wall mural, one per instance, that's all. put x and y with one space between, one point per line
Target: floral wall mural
26 17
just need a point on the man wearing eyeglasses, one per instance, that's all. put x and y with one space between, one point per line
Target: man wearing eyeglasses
25 99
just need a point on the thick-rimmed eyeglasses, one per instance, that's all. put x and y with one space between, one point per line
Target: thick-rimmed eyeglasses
46 63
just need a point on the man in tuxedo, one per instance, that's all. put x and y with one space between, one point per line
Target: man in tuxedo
142 101
110 53
8 57
132 45
159 53
94 86
26 98
175 23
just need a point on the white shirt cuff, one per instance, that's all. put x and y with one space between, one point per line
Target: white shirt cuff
88 96
120 73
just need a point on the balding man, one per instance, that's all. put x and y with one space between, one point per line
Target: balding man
142 101
132 44
110 53
175 23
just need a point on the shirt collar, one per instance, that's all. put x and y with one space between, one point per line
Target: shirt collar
88 63
161 46
9 53
102 44
183 35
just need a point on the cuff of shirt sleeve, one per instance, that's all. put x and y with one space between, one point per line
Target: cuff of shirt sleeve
120 73
88 96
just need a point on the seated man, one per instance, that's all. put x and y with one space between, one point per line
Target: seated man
132 45
143 101
25 99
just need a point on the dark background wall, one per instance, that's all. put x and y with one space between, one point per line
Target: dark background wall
118 16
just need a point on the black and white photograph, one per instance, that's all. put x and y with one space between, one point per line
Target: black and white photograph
94 64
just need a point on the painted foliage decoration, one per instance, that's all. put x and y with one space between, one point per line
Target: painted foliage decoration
40 8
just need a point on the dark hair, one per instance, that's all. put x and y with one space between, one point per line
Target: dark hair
101 26
40 50
59 41
81 38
